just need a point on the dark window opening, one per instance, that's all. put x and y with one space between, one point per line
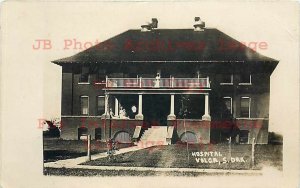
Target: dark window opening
227 79
101 76
100 105
245 78
244 136
98 134
84 75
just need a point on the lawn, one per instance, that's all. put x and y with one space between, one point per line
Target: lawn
58 149
175 156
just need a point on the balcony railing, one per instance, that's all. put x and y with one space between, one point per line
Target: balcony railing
192 83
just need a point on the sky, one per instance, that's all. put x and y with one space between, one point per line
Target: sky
31 84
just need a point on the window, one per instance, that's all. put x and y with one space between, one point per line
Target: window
100 105
82 133
228 103
244 136
123 137
84 75
189 137
227 79
98 134
245 107
84 105
101 76
245 79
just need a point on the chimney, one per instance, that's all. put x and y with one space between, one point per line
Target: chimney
154 22
199 25
149 26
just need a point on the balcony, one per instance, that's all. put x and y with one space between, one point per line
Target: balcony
162 83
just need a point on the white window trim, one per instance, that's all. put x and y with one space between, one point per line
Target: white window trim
249 117
231 81
83 83
248 137
88 106
230 102
250 83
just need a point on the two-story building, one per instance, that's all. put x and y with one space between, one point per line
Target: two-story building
167 85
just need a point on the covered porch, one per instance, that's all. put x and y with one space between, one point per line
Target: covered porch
185 113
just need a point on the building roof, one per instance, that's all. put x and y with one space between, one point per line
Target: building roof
168 45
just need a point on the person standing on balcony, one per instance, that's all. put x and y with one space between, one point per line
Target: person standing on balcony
157 80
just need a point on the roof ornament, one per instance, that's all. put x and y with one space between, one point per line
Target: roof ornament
199 24
150 26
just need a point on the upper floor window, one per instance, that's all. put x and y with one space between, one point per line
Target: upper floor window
245 79
100 105
84 105
245 107
101 76
227 79
84 75
228 103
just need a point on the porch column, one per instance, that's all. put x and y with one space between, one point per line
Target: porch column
116 107
106 110
206 115
172 116
140 115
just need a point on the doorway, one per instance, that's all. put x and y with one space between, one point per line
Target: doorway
156 109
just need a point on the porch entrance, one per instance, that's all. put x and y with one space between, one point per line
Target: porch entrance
156 109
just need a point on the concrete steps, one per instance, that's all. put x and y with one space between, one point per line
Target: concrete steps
154 136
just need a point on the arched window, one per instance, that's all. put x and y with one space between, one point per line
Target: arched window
189 137
122 137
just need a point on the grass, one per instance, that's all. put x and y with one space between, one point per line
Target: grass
171 156
175 156
269 155
58 149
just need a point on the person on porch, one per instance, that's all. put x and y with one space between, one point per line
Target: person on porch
123 114
157 80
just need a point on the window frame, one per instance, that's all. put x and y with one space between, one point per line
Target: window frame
227 97
228 83
80 81
249 108
246 83
88 105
